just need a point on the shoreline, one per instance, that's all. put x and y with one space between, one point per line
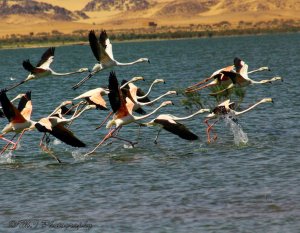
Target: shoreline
136 38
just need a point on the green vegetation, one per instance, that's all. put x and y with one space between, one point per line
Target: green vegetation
157 33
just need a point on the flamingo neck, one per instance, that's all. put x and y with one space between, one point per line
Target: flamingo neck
128 63
190 116
152 101
137 118
64 74
248 109
148 92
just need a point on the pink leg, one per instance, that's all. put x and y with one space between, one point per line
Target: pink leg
200 88
109 135
15 146
199 83
209 128
9 142
103 122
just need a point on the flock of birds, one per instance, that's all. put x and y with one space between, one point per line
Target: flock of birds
126 100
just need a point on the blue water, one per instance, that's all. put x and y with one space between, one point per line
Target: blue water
176 185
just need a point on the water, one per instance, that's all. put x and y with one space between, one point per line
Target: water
174 186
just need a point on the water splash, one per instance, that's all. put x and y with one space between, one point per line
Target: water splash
240 137
7 158
56 142
78 155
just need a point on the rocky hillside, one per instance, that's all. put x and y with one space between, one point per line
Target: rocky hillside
120 5
45 10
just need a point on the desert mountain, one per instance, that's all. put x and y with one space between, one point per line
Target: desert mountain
70 15
39 9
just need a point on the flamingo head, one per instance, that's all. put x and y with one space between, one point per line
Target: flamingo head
159 80
165 103
267 100
144 60
81 70
203 110
138 78
172 92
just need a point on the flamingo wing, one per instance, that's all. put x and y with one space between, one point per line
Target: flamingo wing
66 136
105 43
47 58
25 105
28 66
115 97
98 101
94 44
176 128
9 110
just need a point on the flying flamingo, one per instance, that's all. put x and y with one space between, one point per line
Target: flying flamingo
171 124
241 79
220 76
121 114
226 108
42 69
19 118
102 50
54 124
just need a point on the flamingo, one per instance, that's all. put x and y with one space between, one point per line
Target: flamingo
226 108
220 76
19 118
171 124
102 50
121 114
241 79
54 124
42 69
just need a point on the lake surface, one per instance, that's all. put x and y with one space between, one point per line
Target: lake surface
176 185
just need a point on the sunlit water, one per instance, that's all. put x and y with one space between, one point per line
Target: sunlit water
246 181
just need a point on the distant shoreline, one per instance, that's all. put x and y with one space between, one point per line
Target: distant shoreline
64 40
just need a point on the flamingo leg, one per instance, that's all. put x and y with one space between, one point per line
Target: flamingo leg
9 142
83 80
103 122
200 88
158 132
19 138
209 128
122 139
109 135
199 83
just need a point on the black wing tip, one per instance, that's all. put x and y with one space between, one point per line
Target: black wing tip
28 95
41 128
3 91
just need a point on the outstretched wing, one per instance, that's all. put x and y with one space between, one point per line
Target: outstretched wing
28 66
94 44
105 43
9 110
177 129
66 136
25 105
115 97
114 94
47 58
